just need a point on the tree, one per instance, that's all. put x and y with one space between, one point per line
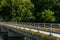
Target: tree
16 10
41 5
30 10
56 9
46 16
5 9
24 9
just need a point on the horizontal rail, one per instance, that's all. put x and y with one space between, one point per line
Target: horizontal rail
25 25
53 25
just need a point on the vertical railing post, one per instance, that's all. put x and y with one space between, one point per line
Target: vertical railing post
38 27
44 25
30 26
21 23
27 24
50 29
24 25
34 24
1 27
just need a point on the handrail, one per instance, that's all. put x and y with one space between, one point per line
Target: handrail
50 25
35 24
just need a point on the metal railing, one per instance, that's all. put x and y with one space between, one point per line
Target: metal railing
35 25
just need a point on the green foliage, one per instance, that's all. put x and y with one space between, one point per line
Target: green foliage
41 5
22 9
47 16
30 10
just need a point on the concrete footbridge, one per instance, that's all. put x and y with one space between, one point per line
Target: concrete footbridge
34 31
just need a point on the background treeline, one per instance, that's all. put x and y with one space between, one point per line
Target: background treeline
30 10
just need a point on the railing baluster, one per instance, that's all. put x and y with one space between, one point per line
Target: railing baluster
38 27
51 29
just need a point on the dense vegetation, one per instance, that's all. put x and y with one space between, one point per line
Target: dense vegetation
30 10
